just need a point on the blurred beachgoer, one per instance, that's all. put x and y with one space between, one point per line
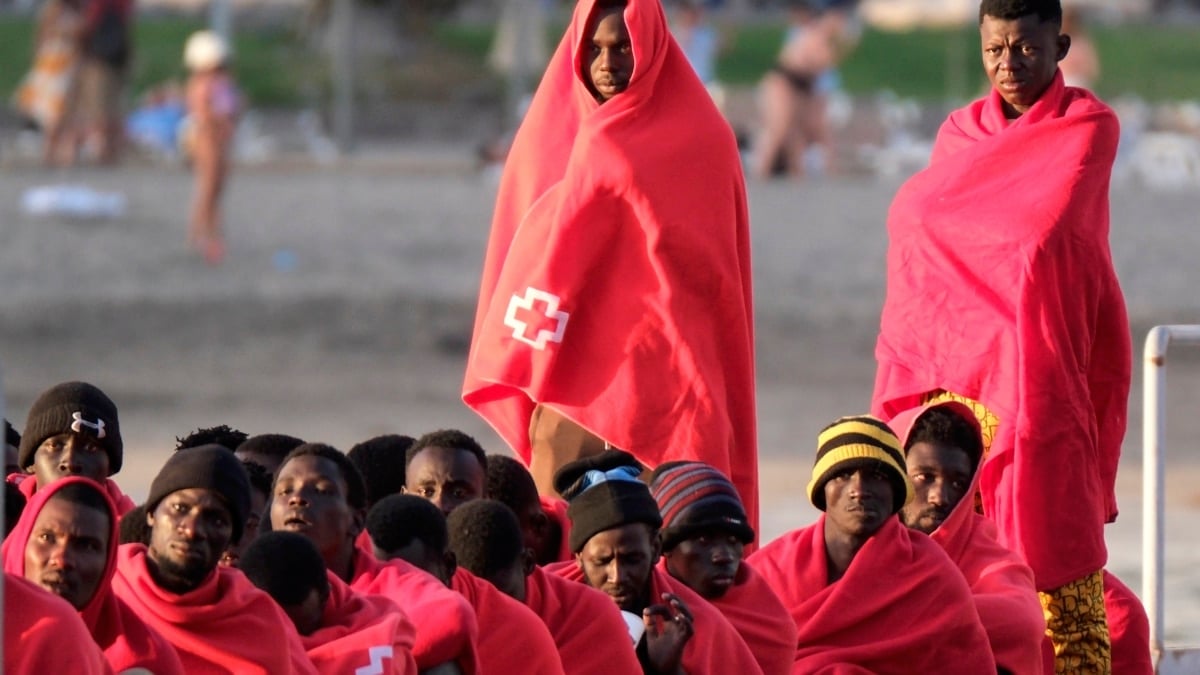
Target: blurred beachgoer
701 43
1001 293
214 105
1081 66
107 44
48 95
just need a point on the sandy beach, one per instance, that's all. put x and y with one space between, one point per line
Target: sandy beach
345 306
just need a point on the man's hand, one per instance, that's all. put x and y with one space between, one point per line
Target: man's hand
668 629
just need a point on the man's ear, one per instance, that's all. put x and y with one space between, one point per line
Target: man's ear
358 520
1064 45
579 561
527 562
150 516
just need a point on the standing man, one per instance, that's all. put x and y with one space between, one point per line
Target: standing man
1002 294
615 306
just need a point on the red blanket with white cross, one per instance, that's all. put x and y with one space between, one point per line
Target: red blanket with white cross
616 288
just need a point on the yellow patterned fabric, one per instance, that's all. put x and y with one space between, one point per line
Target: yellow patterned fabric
1078 626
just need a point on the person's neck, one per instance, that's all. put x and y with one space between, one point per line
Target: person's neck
840 549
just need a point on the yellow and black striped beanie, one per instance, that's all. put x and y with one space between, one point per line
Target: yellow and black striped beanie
856 441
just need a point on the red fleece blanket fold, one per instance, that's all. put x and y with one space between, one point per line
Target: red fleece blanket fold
902 607
447 629
761 619
715 648
509 632
27 484
1001 288
586 625
225 626
358 631
1001 583
44 634
1128 628
616 288
126 640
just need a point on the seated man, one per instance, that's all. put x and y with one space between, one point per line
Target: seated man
942 447
614 534
543 519
71 430
343 631
864 591
44 634
319 493
66 542
585 624
704 532
492 562
446 467
216 619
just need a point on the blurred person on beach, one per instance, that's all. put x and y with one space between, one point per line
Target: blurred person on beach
943 446
701 42
646 342
1081 66
213 105
867 593
1001 294
49 94
107 43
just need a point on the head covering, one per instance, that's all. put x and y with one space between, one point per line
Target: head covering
211 467
904 422
205 50
692 497
856 441
72 407
603 492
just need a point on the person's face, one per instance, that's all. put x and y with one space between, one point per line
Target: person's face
1021 57
609 55
858 501
941 475
11 465
707 562
448 477
306 614
310 498
189 530
68 550
70 454
619 562
258 503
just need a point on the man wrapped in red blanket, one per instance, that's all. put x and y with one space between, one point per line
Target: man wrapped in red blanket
1001 292
615 302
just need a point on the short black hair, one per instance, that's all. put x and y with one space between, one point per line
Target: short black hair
133 528
86 494
510 483
447 438
11 437
939 425
485 536
396 520
271 445
222 435
356 492
14 504
381 460
286 565
260 478
1009 10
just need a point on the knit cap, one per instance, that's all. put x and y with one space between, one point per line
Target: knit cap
211 467
603 492
855 442
72 407
694 497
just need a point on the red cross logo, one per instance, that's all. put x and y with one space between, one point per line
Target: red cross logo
524 321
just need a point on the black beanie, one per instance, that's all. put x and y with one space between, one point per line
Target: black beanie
213 467
603 493
72 407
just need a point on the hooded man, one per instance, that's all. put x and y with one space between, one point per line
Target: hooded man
44 634
66 542
864 591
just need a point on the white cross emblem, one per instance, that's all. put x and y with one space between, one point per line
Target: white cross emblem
532 295
79 423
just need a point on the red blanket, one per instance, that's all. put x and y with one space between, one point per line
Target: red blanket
224 626
43 634
126 640
586 625
1001 288
616 287
28 486
761 619
447 629
358 631
1001 584
902 607
509 632
1128 628
715 647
